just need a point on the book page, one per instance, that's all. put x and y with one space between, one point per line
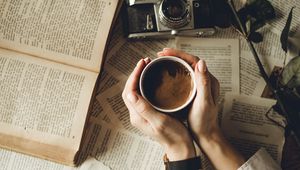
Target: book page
42 104
114 106
221 56
118 149
251 81
106 82
14 161
282 11
268 50
245 125
71 32
120 62
123 57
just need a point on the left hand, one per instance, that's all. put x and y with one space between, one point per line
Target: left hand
167 131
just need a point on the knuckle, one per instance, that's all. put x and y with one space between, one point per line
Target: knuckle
134 122
195 58
141 107
164 119
161 124
159 128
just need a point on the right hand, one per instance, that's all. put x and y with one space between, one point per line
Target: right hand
203 114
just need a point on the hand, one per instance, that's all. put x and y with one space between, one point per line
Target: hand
167 131
203 115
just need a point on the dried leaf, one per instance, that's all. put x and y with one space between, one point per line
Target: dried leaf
285 32
290 103
254 15
255 37
291 73
262 10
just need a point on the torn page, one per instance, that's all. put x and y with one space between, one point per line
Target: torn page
106 81
123 60
270 48
260 160
121 150
117 38
221 56
113 104
89 164
245 125
252 82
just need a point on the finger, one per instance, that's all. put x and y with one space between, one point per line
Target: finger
137 121
215 88
133 80
203 82
143 108
190 59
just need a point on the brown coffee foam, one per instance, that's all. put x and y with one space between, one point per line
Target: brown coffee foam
168 84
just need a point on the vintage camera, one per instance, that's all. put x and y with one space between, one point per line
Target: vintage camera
166 18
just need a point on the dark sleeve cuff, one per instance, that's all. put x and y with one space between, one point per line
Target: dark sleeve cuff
187 164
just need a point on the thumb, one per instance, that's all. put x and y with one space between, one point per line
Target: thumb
143 108
203 82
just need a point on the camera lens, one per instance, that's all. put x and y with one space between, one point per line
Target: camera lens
174 13
174 9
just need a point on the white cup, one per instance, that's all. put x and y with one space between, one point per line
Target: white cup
183 63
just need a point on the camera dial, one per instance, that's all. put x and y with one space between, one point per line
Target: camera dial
174 13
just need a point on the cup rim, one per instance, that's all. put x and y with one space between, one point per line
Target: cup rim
186 65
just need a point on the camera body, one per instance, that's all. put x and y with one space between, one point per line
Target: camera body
167 18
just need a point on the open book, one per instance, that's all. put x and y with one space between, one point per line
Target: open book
50 57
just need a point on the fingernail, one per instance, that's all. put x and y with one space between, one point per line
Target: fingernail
202 66
132 98
165 49
139 62
147 59
160 53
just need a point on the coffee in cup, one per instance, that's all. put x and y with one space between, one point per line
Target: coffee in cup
168 84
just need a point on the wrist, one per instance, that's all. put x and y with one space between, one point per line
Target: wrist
212 133
180 151
215 137
220 151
